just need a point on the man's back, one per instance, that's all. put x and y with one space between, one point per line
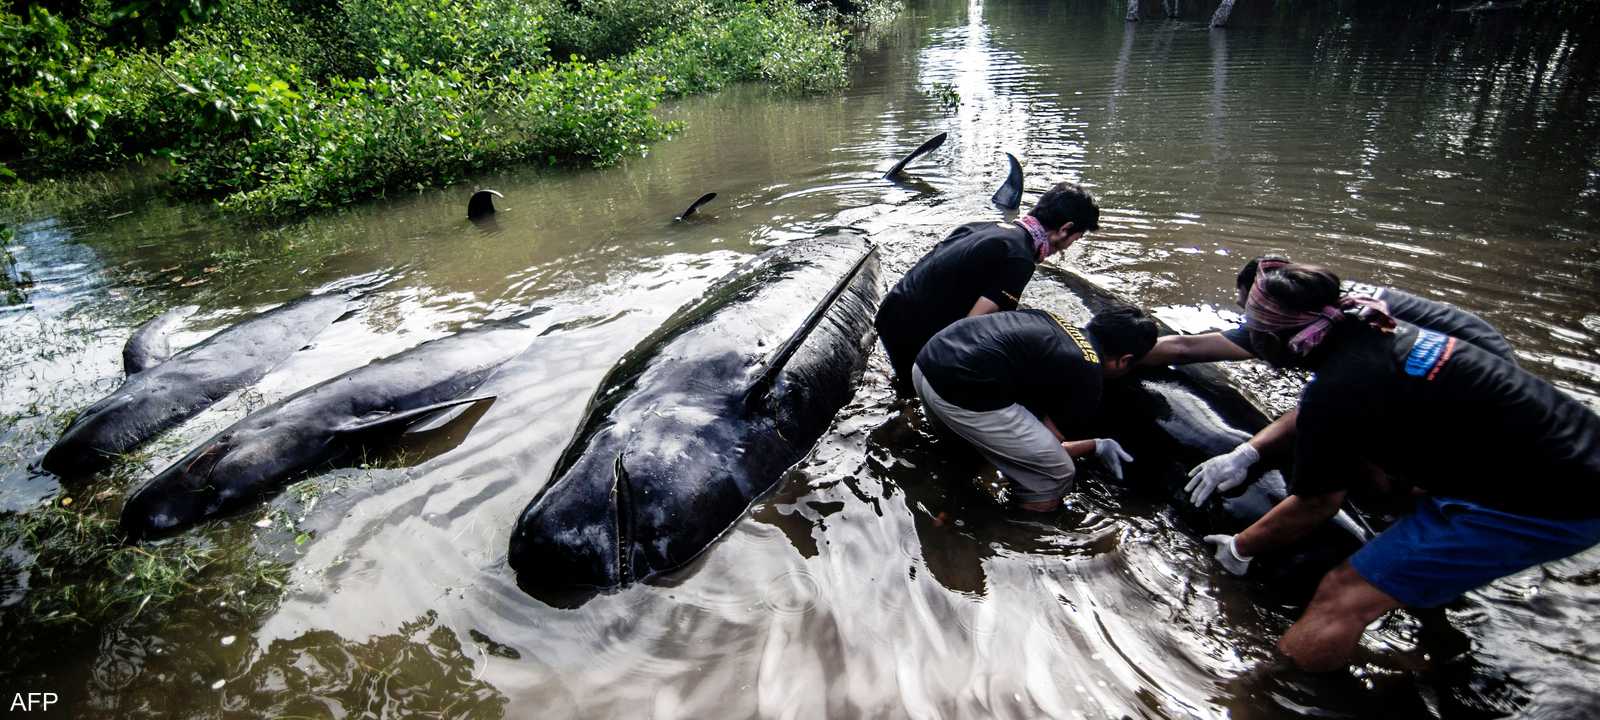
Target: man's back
976 260
1457 419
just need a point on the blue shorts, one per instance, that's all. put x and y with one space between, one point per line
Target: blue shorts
1450 546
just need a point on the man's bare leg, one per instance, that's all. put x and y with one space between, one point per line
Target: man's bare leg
1326 636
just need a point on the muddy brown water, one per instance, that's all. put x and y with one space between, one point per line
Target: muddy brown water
1451 156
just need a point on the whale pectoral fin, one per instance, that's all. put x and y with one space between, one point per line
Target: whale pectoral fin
404 418
441 418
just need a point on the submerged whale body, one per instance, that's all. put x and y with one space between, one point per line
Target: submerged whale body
1171 419
161 391
701 419
267 449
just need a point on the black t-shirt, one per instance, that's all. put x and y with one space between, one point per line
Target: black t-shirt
980 259
1421 312
1026 357
1449 417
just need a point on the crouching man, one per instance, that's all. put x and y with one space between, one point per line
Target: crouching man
1507 467
1007 382
980 268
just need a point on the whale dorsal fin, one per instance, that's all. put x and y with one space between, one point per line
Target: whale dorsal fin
481 204
930 145
1009 196
703 199
775 362
150 345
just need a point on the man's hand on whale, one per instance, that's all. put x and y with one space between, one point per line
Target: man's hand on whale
1230 470
1223 472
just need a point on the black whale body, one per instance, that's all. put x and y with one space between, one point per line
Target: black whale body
1171 419
154 399
273 446
701 419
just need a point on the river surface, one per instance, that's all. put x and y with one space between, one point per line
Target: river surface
1451 156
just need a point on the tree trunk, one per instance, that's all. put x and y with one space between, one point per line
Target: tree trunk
1220 18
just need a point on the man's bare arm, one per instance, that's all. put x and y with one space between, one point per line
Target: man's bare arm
1277 437
1290 520
1185 349
983 306
1078 448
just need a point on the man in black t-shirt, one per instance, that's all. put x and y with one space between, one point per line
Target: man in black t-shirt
1230 470
1507 466
977 269
1017 384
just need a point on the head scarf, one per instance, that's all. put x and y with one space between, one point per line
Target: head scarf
1041 236
1265 314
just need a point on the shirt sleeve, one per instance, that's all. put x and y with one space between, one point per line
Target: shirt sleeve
1327 440
1452 321
1011 275
1241 337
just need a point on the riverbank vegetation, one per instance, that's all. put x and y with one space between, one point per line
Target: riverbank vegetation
275 107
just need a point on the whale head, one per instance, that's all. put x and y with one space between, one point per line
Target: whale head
213 479
576 541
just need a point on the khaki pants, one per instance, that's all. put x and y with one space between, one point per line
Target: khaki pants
1025 451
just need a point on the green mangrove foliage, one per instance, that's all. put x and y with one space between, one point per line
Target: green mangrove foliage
278 106
82 573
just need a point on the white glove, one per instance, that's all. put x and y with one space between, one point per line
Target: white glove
1111 455
1228 554
1223 472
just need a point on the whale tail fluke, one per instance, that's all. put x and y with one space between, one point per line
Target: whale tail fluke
1009 196
930 145
703 199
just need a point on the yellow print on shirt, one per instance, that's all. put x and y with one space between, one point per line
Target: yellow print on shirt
1077 337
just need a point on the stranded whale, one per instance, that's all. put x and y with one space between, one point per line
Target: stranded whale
1174 418
271 447
154 399
701 419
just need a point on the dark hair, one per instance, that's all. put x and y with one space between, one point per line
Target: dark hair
1247 274
1122 330
1303 288
1064 203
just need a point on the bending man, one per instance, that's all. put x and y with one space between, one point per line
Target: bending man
1229 470
979 268
1008 382
1508 466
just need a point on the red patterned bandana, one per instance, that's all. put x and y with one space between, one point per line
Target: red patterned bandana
1264 314
1041 236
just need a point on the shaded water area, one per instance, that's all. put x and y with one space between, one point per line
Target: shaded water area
1458 158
